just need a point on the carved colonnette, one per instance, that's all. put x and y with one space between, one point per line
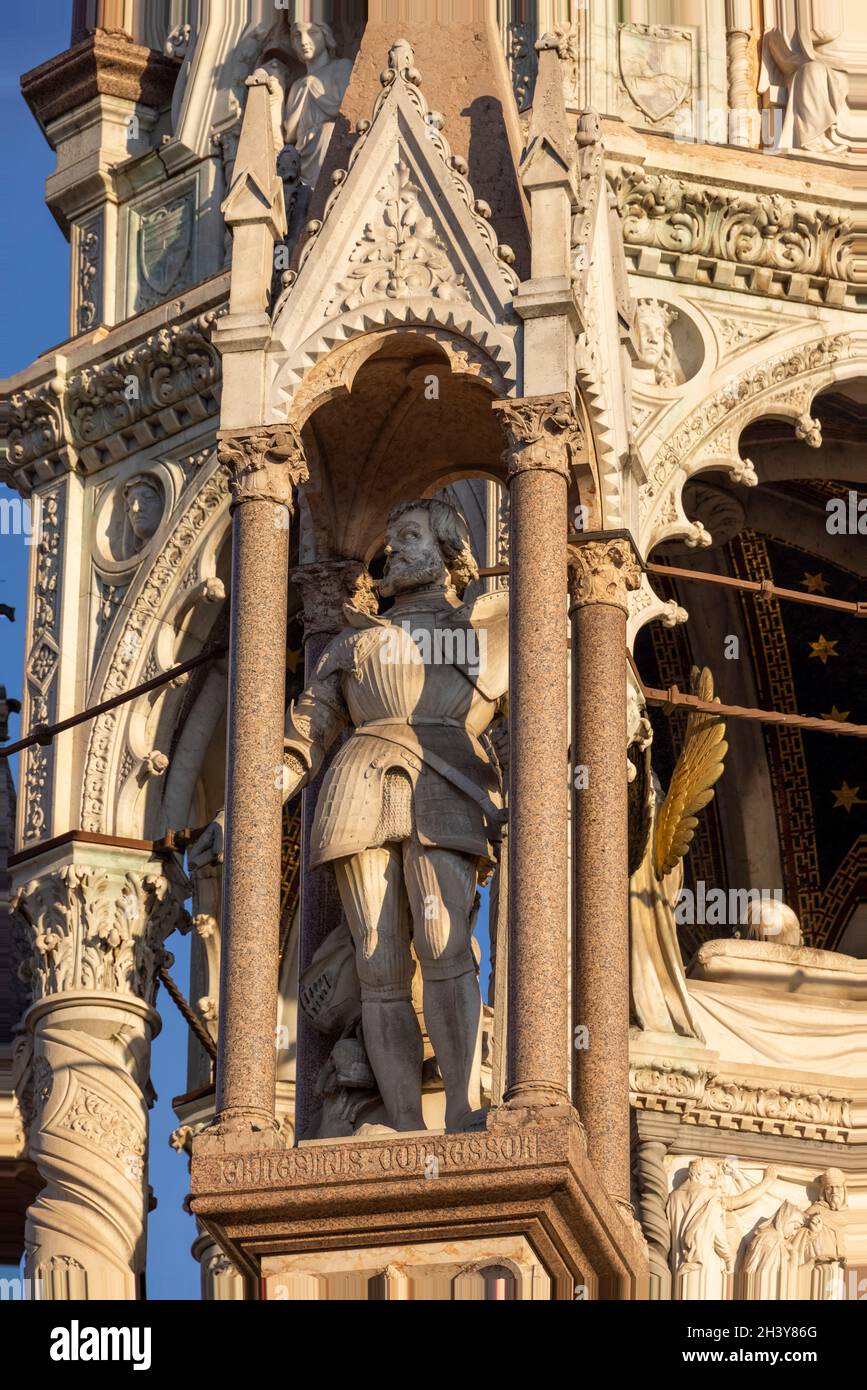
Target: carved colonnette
91 933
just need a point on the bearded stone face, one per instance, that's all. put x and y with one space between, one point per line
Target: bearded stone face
415 560
835 1196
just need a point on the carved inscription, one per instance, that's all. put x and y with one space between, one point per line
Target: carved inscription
411 1159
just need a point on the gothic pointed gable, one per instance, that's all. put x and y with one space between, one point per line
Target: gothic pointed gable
402 237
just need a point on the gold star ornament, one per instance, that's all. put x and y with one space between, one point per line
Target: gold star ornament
824 648
815 583
847 797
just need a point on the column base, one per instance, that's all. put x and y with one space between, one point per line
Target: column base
241 1133
520 1195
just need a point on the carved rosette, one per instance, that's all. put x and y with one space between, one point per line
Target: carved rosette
603 571
542 433
264 463
326 588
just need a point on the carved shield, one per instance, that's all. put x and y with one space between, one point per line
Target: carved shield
656 67
164 244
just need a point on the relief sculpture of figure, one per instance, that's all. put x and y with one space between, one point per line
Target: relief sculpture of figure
410 809
661 829
657 361
773 1256
823 1239
702 1253
803 75
313 101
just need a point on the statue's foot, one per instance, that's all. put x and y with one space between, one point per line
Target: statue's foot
371 1131
469 1120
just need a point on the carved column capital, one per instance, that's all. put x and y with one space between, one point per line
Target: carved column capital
603 570
326 587
85 928
542 432
264 463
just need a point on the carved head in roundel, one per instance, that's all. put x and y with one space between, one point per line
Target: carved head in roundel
656 353
144 504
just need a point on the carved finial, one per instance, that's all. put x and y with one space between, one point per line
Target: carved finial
810 430
401 63
549 121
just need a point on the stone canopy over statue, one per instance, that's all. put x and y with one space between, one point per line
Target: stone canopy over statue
410 810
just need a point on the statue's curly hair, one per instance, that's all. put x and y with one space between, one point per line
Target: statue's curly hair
452 535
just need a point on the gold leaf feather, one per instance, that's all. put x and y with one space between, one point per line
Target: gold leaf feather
698 768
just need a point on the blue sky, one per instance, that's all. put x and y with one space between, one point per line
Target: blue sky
34 276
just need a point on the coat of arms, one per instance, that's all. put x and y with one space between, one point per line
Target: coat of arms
656 67
164 242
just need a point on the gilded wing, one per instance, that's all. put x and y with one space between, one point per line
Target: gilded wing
699 766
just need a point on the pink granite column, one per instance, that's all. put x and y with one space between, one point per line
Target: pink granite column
265 463
602 570
326 587
543 439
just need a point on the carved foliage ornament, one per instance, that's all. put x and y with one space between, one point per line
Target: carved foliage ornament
96 1119
177 361
400 255
80 929
603 571
732 398
542 433
753 229
263 463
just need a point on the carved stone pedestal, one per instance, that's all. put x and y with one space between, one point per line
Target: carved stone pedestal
513 1211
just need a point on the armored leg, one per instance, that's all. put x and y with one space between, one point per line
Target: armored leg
441 885
373 898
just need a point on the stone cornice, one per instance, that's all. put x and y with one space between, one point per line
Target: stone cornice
734 1099
106 63
101 397
725 234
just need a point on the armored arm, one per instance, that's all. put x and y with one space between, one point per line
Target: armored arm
313 722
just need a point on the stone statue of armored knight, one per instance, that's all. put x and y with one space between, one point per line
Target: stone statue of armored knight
410 810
